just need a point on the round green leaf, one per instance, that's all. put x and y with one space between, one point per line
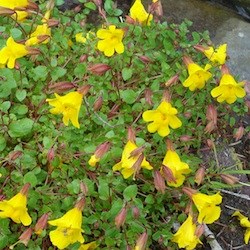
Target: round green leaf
130 192
20 127
31 178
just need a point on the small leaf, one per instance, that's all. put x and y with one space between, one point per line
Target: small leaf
130 192
103 190
20 127
129 96
31 178
90 5
21 94
126 73
2 143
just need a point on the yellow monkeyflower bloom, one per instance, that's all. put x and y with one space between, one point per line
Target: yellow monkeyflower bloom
89 246
217 56
178 168
162 118
111 40
139 14
244 222
93 160
68 229
83 39
128 161
197 76
16 207
185 236
20 15
11 52
207 207
68 105
228 89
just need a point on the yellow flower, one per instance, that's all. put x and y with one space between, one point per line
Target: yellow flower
207 207
244 222
185 236
111 40
127 165
197 76
11 52
217 56
81 39
89 246
93 160
68 229
162 118
15 208
178 168
68 105
20 15
228 90
139 14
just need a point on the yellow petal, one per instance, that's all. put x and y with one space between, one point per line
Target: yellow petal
119 48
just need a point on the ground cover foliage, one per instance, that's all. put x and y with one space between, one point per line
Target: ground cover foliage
110 119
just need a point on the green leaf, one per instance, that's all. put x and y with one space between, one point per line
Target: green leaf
15 33
74 187
7 82
4 106
20 127
90 5
57 73
2 143
126 73
40 73
103 190
129 96
130 192
31 178
21 94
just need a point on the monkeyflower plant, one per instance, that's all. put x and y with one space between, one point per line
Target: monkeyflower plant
116 113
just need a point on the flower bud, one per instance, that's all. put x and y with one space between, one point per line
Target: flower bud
159 182
51 154
156 8
80 204
224 69
210 143
166 96
148 96
99 68
136 212
60 87
173 80
229 179
84 89
113 111
25 189
141 242
144 59
98 103
84 188
14 155
209 127
42 38
168 174
121 217
200 48
137 151
211 114
170 145
130 20
83 58
189 191
186 138
53 22
187 60
200 230
188 114
131 134
239 133
137 165
33 51
199 175
41 223
25 236
6 11
32 5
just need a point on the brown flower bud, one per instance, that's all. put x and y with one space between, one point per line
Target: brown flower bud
168 174
186 138
42 38
200 48
210 143
113 111
224 69
239 133
210 127
53 22
189 191
137 151
25 236
33 51
159 182
84 89
83 58
6 11
51 154
170 145
98 103
229 179
60 87
156 8
166 96
173 80
200 230
148 96
131 134
14 155
2 197
121 217
99 68
187 60
199 175
130 20
142 241
32 5
145 59
25 189
188 114
41 223
211 114
80 204
136 212
102 149
137 165
84 188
